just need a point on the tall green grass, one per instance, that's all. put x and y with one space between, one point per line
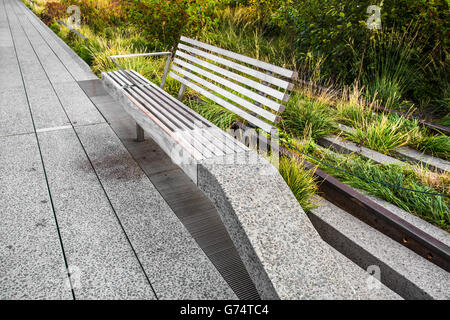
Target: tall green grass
306 116
391 65
434 209
300 180
238 31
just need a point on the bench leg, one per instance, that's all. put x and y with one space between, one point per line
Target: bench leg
139 133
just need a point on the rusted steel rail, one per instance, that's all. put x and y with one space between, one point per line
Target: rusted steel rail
433 126
374 214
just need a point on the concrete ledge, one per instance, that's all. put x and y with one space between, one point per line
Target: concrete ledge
283 253
404 153
435 163
344 146
403 271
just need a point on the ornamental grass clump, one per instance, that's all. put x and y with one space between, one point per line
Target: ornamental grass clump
300 180
381 134
304 114
383 181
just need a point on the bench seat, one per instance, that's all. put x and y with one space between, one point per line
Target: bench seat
179 125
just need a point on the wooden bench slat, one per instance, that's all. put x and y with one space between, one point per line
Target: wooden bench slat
207 141
182 132
180 140
211 131
258 122
257 63
237 77
158 110
161 121
197 143
251 94
165 97
189 132
257 74
227 94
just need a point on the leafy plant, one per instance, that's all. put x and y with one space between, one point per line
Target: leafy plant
52 10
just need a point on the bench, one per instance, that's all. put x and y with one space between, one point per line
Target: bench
282 252
254 95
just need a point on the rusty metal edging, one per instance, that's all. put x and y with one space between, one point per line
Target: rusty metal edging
376 215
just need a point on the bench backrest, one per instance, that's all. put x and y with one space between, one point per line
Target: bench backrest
252 89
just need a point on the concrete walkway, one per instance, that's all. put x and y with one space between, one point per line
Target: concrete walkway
72 197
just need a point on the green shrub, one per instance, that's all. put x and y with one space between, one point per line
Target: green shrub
337 31
52 11
164 21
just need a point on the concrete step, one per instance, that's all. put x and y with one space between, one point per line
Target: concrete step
404 153
400 269
339 144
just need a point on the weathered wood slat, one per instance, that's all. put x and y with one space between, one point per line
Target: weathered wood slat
163 119
251 94
245 103
254 73
153 89
283 96
214 134
190 135
168 126
147 120
258 122
257 63
157 110
204 141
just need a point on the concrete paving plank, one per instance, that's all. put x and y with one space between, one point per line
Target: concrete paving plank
14 112
94 242
79 108
54 68
176 266
32 263
76 66
45 106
